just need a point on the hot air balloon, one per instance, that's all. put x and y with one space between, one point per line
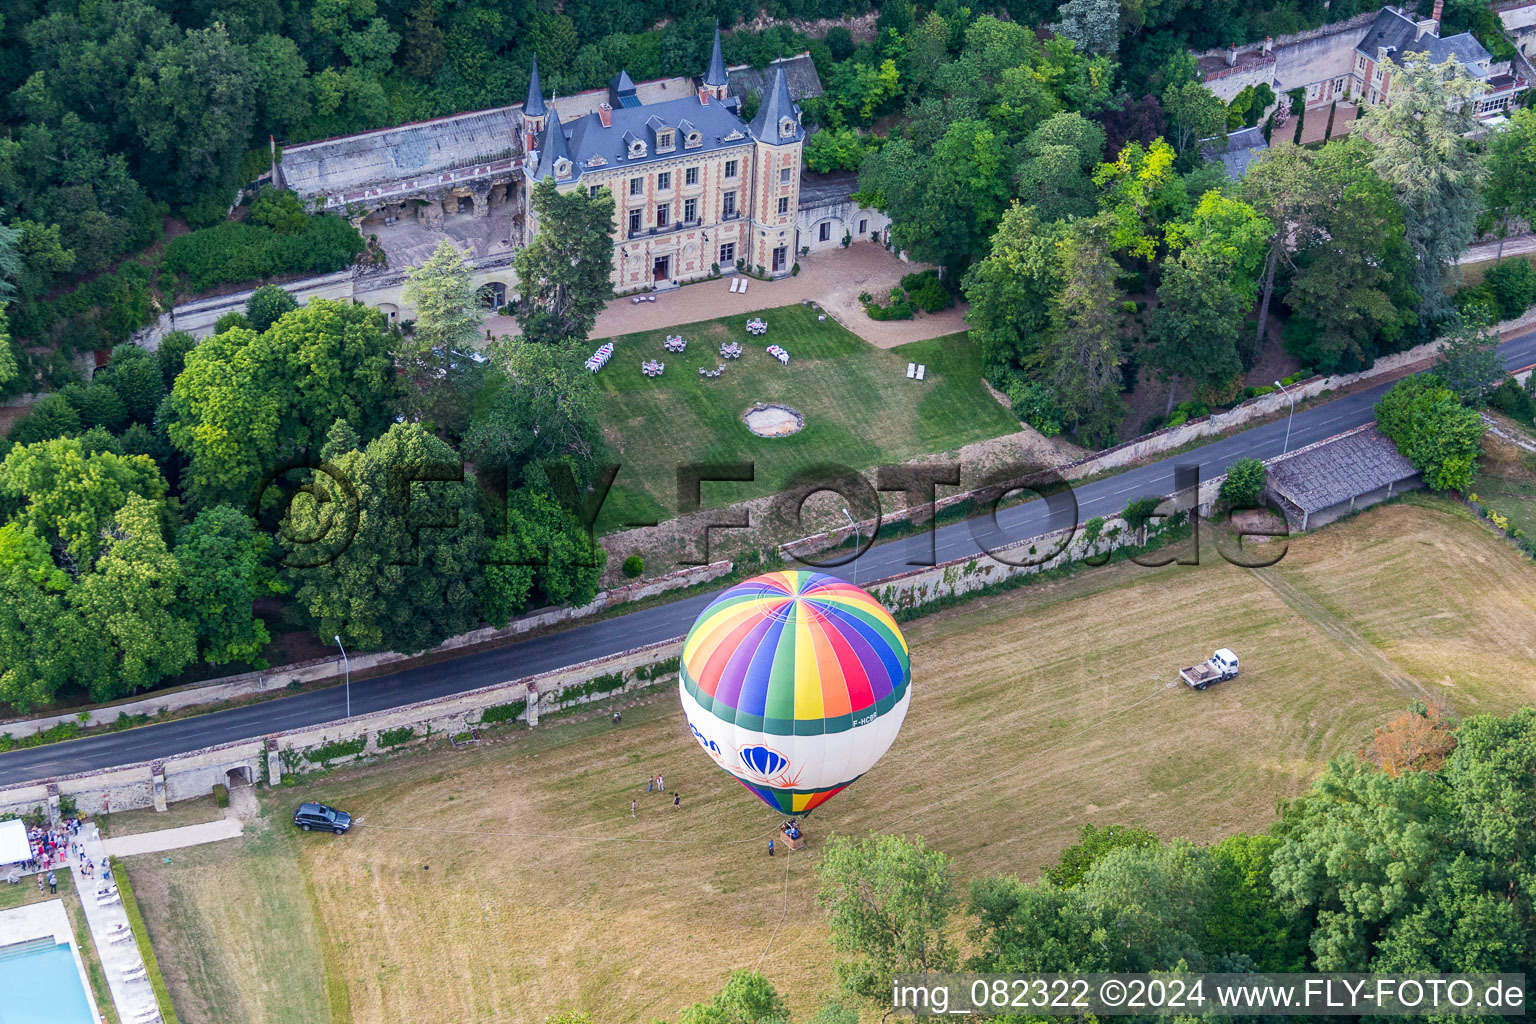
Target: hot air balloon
796 683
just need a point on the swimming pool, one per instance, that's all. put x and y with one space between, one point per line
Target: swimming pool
41 985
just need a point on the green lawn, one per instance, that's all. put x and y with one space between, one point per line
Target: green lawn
860 409
1506 480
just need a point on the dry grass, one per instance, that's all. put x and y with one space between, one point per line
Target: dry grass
466 897
183 812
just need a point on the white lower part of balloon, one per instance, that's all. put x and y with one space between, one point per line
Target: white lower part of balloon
808 762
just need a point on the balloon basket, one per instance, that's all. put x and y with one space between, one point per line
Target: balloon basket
795 842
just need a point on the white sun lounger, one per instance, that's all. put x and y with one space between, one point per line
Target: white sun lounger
911 371
922 371
134 973
107 901
122 936
743 286
735 285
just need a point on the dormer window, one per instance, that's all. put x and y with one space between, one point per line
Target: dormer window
787 128
562 168
636 150
663 140
693 140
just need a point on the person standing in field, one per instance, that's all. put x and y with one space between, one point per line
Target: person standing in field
632 808
677 801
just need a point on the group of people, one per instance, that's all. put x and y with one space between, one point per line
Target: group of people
655 784
791 830
51 848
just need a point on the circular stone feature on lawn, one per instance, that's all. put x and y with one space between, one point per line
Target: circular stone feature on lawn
773 420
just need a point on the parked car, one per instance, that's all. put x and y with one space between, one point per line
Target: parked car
319 816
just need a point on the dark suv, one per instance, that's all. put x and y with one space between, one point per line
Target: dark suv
313 816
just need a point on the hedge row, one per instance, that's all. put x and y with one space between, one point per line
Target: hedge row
141 936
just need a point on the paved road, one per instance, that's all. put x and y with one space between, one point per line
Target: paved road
665 621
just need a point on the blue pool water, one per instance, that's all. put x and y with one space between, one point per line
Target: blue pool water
39 984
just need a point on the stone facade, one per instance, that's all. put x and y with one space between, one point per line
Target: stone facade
696 188
1353 60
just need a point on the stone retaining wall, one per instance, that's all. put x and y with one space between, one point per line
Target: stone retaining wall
268 758
315 670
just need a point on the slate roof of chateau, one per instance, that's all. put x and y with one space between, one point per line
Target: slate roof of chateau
1396 31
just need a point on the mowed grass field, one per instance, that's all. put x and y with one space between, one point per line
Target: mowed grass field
508 881
860 409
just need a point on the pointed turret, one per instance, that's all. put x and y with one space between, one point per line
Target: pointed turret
716 80
533 106
531 119
778 119
554 153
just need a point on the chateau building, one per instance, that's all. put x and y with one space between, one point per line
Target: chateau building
695 187
1353 60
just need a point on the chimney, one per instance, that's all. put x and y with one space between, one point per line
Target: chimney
1232 55
703 96
1269 45
1439 9
605 114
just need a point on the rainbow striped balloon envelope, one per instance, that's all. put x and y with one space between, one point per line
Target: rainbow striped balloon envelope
796 683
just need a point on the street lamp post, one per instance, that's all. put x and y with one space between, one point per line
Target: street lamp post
857 540
1288 419
347 662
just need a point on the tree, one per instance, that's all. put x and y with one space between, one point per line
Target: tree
1433 430
1422 153
1194 114
1094 25
1091 846
134 375
267 305
386 552
131 601
542 553
1011 290
1139 194
565 274
1510 187
9 373
45 643
221 556
1060 157
747 998
436 354
69 498
888 901
1469 363
1418 740
1209 285
246 402
1368 860
1085 354
539 403
1352 293
835 149
1244 485
193 103
943 207
49 417
172 355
